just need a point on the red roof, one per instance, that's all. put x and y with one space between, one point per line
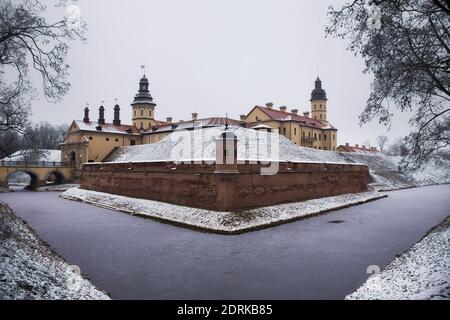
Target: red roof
203 123
357 149
289 116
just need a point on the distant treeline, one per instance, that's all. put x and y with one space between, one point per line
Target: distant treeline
39 136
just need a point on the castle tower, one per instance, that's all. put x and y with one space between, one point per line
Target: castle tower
319 102
143 106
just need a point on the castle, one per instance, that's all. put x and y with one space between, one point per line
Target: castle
92 141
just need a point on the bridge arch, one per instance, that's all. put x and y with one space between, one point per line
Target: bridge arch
34 178
55 176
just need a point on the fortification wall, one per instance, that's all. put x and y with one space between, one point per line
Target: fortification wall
197 185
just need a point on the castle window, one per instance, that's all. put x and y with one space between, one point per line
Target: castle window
303 133
257 119
320 116
320 137
315 136
333 137
324 137
295 131
117 140
315 107
135 113
91 138
320 106
142 112
107 139
132 142
142 125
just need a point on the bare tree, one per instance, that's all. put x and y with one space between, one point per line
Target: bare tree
397 148
381 142
406 46
46 136
29 42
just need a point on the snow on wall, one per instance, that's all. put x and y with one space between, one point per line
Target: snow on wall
383 169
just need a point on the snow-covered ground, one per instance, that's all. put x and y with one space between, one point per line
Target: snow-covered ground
423 272
30 270
252 144
59 187
35 155
215 221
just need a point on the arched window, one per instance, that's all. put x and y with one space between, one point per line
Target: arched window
142 112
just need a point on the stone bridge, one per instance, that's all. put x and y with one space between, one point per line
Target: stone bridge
40 172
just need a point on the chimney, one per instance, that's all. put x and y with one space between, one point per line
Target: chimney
306 114
294 111
283 108
101 115
194 116
347 144
269 105
357 145
86 115
116 120
226 153
363 146
243 117
169 119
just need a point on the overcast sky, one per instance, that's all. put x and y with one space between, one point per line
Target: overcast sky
214 57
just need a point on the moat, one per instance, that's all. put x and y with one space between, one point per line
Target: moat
136 258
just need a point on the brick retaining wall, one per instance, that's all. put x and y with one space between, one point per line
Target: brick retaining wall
198 186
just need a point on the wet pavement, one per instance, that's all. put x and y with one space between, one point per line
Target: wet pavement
322 257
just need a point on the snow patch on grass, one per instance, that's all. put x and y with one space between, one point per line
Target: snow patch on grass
59 187
423 272
215 221
30 270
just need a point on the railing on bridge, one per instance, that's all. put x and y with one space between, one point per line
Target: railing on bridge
43 164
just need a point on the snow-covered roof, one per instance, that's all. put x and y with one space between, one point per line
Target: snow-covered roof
261 126
289 116
180 145
107 127
200 123
358 149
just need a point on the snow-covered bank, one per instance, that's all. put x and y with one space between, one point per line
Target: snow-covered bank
30 270
35 155
423 272
219 222
59 187
383 169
